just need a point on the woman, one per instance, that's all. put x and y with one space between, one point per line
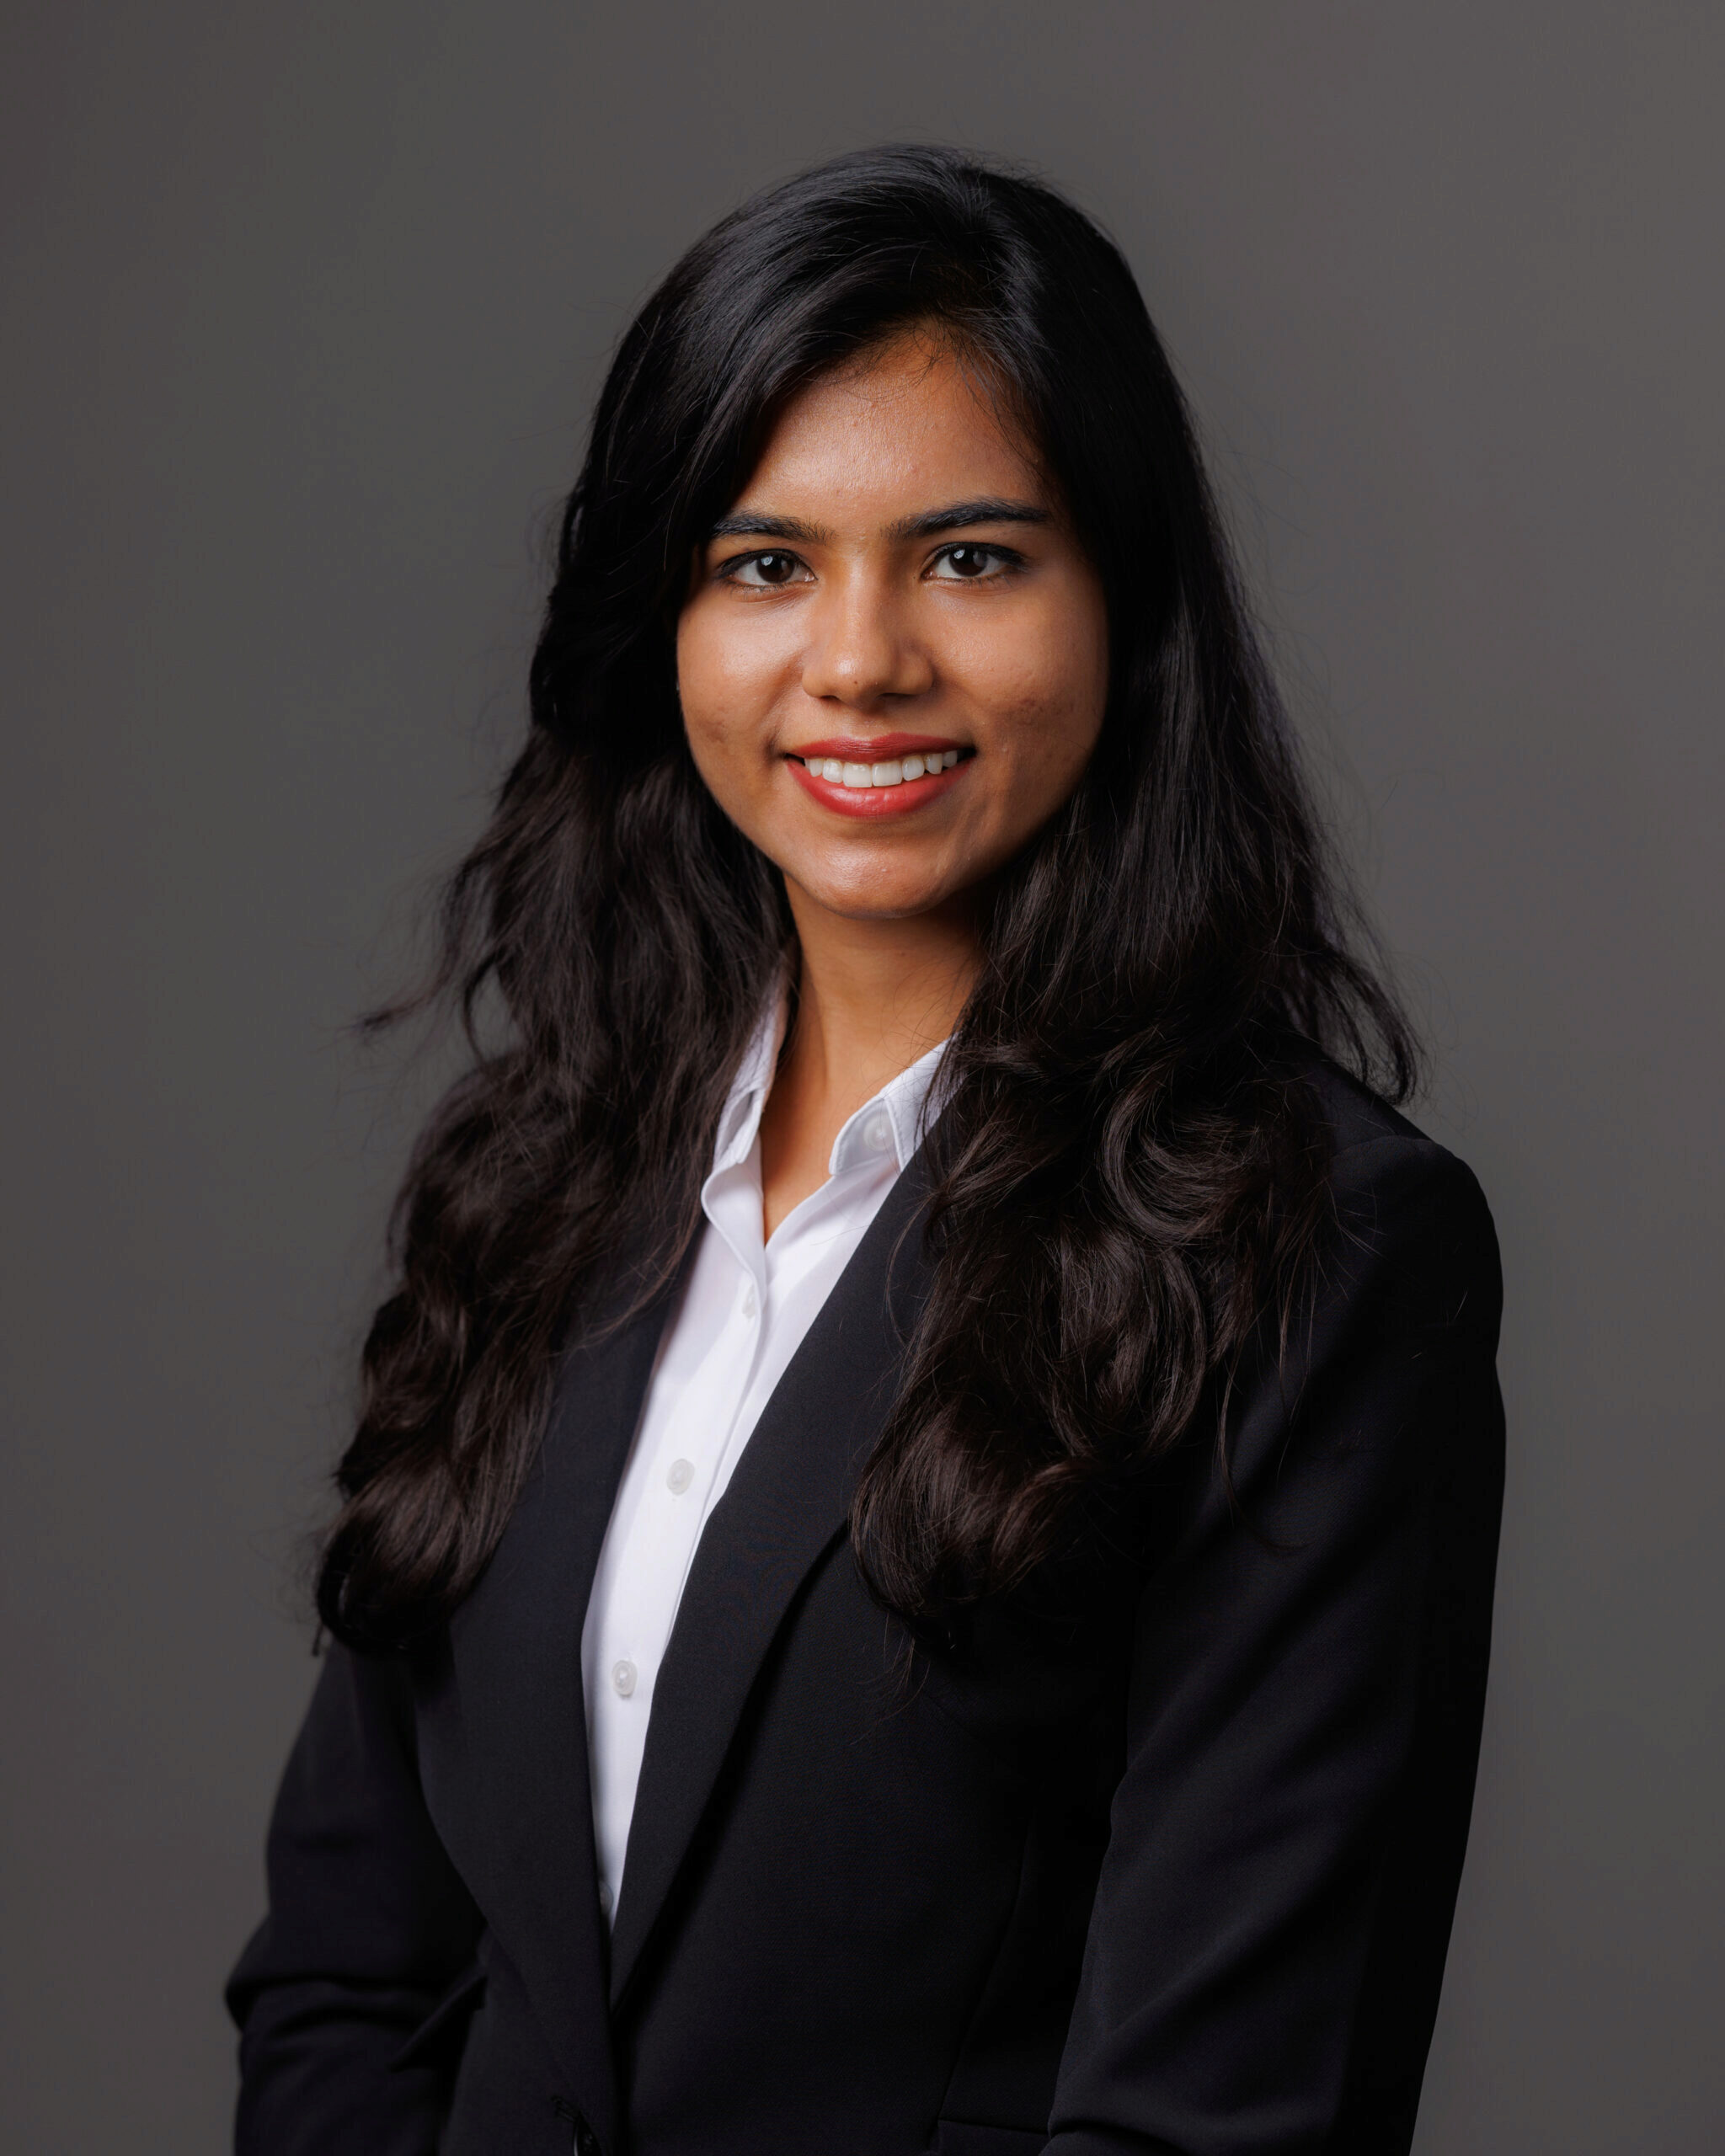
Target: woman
914 1573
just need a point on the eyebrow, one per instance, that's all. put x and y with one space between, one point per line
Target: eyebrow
959 516
955 516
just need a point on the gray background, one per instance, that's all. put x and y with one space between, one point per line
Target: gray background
304 306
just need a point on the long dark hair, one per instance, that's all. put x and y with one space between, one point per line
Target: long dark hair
1129 1173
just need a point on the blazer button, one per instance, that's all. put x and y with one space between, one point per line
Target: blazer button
586 2141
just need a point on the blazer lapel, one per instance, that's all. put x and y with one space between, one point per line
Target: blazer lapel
786 1502
504 1740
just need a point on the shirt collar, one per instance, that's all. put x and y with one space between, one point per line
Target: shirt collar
894 1121
740 1116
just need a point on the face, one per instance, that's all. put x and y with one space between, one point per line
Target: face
893 660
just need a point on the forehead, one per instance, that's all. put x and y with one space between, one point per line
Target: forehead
913 423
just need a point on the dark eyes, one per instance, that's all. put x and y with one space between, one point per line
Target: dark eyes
762 572
968 561
965 562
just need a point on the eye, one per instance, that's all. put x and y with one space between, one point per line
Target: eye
768 572
967 563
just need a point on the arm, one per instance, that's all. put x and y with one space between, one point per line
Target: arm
369 1928
1264 1956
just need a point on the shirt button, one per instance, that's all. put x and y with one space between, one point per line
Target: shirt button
749 1299
681 1477
603 1898
878 1133
623 1678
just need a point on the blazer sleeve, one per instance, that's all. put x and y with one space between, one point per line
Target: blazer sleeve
369 1932
1263 1966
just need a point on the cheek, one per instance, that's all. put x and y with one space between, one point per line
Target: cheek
1044 691
728 685
712 691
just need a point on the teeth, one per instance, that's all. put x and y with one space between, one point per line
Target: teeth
893 772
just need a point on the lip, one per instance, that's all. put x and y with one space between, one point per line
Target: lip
877 801
875 747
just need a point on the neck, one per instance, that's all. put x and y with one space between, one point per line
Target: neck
873 996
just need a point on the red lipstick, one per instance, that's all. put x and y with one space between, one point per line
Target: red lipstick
875 747
899 797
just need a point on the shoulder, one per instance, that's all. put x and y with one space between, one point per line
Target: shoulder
1352 1114
1378 1365
1406 1210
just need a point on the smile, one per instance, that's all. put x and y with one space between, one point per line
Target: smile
889 777
894 770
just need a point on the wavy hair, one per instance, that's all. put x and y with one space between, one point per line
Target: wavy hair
1128 1174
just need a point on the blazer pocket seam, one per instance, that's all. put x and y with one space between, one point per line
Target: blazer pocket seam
972 2137
943 2117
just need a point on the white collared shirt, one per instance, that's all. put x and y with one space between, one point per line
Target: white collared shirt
746 1306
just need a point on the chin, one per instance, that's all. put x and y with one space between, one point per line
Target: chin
876 908
870 901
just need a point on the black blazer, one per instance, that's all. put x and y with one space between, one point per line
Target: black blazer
1177 1878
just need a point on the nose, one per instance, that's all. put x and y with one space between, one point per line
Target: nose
862 648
